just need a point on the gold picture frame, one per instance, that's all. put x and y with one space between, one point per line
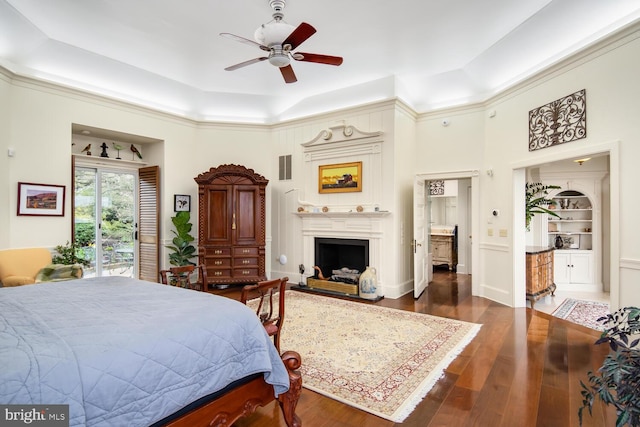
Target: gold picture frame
340 178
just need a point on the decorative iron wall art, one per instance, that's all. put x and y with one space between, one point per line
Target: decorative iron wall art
560 121
436 188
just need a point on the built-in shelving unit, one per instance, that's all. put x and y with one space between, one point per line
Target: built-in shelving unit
572 236
97 160
575 225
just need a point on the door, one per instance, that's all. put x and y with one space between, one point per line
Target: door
561 267
104 220
245 215
422 268
147 232
581 268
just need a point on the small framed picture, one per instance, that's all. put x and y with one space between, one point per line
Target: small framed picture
181 202
40 199
571 242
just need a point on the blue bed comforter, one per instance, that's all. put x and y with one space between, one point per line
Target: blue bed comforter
124 352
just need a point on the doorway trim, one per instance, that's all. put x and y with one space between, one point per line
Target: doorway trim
474 175
612 148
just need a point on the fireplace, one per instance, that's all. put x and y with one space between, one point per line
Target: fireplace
363 229
335 254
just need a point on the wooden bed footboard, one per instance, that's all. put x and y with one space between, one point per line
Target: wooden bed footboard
245 399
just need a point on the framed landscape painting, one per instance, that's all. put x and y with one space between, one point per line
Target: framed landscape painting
340 178
40 199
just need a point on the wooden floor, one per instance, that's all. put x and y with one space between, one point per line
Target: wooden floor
522 369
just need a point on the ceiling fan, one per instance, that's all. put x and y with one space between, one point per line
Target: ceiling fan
279 39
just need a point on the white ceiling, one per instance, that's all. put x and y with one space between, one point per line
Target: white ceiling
168 54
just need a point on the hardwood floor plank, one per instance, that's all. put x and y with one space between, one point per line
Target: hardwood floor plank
522 369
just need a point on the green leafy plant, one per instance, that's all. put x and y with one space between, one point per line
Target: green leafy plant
537 201
68 254
183 250
617 382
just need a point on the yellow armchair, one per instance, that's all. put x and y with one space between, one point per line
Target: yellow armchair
21 266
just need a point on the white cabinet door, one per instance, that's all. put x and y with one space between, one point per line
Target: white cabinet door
582 268
561 267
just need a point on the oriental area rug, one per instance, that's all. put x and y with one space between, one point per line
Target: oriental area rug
585 313
381 360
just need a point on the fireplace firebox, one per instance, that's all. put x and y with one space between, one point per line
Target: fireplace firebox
337 254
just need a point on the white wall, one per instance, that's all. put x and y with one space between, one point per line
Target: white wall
607 74
5 126
38 120
287 139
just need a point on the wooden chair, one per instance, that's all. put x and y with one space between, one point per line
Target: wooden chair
183 276
266 291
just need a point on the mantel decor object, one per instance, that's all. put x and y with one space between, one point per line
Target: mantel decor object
560 121
368 283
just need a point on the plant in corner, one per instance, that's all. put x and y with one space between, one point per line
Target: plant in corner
617 382
536 200
183 250
68 255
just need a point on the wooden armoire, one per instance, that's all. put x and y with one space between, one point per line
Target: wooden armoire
231 224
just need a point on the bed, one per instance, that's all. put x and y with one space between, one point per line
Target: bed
121 351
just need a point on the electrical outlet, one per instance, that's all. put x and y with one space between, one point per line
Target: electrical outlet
490 232
503 232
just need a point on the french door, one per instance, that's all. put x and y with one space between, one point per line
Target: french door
105 220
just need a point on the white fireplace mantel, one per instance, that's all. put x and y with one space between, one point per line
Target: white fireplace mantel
345 225
341 215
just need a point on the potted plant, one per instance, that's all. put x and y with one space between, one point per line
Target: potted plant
617 382
537 201
183 250
68 255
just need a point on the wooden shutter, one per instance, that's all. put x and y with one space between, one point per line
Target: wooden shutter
148 223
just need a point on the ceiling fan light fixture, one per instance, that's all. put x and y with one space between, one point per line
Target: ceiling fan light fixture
274 32
279 59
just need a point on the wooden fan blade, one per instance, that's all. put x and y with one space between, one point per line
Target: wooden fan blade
245 63
314 57
288 74
245 41
299 35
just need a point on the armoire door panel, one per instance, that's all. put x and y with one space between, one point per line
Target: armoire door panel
246 221
218 212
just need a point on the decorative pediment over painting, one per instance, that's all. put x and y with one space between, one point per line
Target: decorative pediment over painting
340 135
560 121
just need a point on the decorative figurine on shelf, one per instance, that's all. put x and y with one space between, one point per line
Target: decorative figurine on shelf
104 150
559 242
87 150
301 270
118 148
135 151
